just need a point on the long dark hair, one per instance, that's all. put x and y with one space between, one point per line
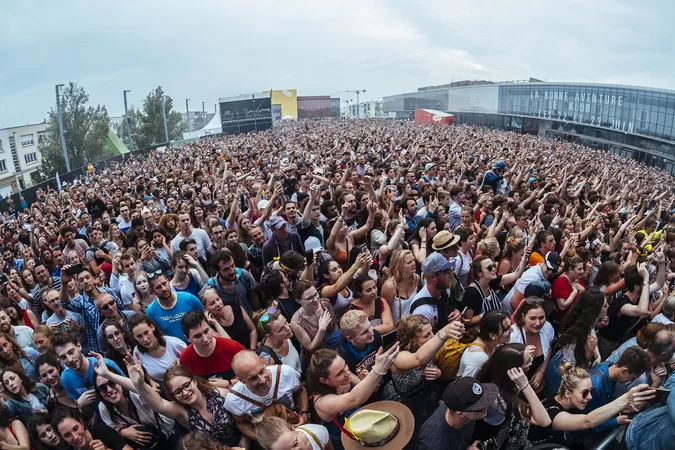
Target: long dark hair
579 322
115 413
138 319
27 382
319 367
106 345
506 357
35 442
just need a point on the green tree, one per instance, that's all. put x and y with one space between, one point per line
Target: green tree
152 122
85 129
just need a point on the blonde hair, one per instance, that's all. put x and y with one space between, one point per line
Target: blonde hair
489 247
268 431
571 376
351 320
397 264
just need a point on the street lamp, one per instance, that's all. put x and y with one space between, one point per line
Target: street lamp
166 127
60 120
126 116
204 113
187 113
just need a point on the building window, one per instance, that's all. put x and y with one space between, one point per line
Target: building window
3 166
42 136
26 140
1 149
30 157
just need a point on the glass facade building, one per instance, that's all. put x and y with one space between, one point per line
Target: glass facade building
630 121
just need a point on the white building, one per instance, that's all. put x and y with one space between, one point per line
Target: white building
19 155
364 110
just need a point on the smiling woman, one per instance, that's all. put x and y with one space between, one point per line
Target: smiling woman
71 428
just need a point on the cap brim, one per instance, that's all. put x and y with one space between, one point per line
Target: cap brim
450 243
490 394
406 423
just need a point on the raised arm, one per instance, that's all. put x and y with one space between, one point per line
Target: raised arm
359 233
407 360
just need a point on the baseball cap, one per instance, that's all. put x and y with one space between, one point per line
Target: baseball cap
262 204
466 394
277 223
429 166
313 244
499 165
553 261
435 263
537 289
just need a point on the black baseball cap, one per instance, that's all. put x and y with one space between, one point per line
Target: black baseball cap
466 394
553 261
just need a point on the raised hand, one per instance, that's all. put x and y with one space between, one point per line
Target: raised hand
453 330
518 377
135 370
384 360
100 366
325 320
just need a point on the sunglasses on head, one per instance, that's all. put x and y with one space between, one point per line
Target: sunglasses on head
266 317
155 274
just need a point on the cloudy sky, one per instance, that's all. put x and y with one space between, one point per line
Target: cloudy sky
205 49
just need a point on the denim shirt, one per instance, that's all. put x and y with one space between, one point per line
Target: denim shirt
603 393
654 428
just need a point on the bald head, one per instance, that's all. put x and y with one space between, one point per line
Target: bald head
106 304
661 348
252 372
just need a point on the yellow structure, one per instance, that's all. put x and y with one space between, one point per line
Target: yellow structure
288 100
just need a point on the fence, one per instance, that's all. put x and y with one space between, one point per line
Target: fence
30 194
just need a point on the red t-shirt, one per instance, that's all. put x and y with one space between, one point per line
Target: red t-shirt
218 364
562 288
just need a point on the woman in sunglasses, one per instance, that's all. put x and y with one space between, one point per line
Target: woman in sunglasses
24 396
481 296
276 346
532 329
191 402
572 397
156 351
124 412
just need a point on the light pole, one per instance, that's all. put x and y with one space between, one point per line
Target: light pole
204 113
187 113
61 134
215 108
126 116
166 127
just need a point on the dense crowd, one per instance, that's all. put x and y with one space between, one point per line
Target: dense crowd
340 285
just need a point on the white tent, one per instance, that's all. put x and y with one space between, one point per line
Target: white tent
213 127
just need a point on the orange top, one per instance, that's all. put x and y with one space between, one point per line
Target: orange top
535 258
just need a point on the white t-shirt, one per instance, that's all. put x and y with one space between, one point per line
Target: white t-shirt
319 431
529 276
291 359
201 240
156 367
660 318
546 335
472 361
23 335
145 416
288 384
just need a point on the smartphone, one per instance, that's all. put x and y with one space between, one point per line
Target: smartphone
661 396
74 269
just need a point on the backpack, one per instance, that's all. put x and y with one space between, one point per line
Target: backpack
449 356
440 306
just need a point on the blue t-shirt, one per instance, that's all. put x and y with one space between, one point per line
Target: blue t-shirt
75 385
168 320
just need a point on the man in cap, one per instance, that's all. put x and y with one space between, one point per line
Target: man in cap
537 273
433 301
281 241
451 426
494 176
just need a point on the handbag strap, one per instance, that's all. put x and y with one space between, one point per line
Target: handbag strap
343 429
316 439
276 388
248 399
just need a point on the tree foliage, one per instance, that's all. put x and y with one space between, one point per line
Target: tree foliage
85 129
147 123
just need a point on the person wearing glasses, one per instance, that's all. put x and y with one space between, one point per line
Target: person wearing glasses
315 320
192 402
573 396
108 306
481 296
156 351
124 411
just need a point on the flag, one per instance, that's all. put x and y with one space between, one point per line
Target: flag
58 182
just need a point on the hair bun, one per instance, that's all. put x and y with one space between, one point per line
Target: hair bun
566 367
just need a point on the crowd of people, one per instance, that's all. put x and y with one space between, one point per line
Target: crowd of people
339 285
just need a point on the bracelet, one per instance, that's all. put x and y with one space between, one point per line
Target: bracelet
305 412
378 373
438 335
528 384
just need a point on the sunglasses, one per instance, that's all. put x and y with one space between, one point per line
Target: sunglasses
155 274
105 387
586 392
266 317
108 305
490 268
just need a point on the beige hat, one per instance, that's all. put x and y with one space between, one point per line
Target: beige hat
444 239
382 425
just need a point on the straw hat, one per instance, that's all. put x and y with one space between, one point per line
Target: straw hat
444 239
389 424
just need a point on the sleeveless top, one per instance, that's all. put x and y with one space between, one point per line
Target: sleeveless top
401 306
342 257
222 429
333 430
239 330
490 300
341 303
376 318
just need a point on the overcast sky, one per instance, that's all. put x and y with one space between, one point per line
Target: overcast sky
205 49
